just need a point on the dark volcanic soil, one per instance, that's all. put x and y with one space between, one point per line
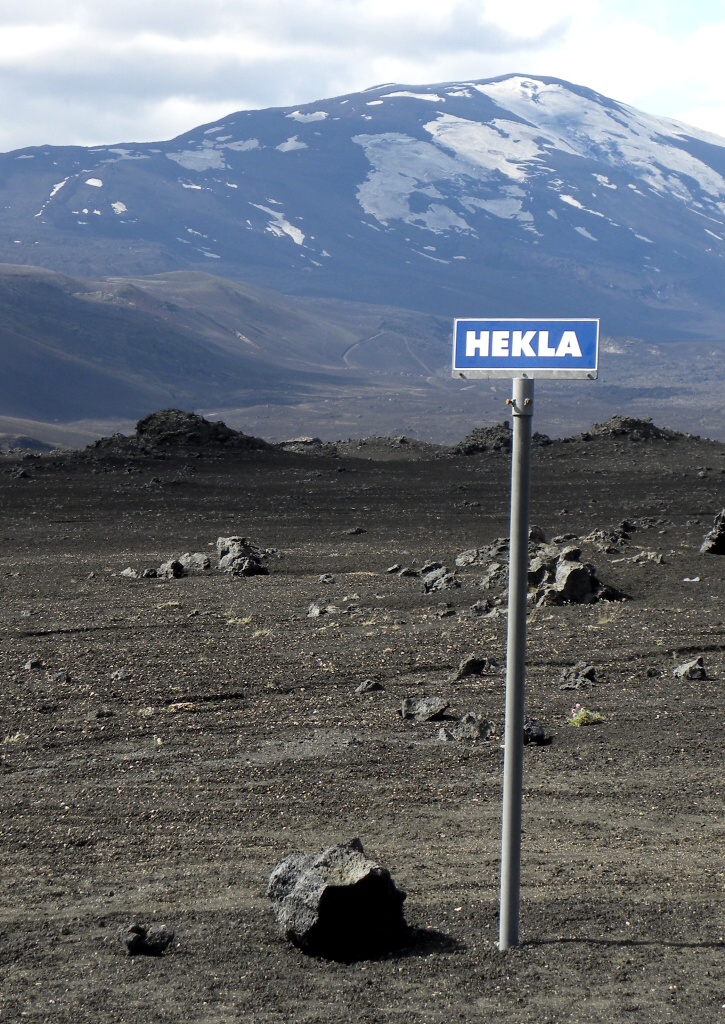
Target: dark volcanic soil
176 738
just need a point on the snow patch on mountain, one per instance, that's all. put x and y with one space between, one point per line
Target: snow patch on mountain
280 226
504 146
207 158
315 115
401 167
507 208
431 97
290 145
243 145
571 201
614 133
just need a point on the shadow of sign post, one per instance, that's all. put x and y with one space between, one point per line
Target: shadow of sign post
522 350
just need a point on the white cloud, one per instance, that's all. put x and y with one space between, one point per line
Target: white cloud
90 73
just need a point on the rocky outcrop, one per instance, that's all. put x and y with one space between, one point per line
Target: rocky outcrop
237 556
558 576
631 427
497 438
174 428
173 568
469 728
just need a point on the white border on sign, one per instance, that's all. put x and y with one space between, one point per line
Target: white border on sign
527 373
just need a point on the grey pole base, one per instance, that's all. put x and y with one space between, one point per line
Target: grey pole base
522 406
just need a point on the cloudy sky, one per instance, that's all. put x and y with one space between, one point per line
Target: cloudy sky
88 72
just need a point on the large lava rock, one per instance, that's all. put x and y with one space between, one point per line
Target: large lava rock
714 542
632 427
557 576
240 557
497 438
172 428
339 904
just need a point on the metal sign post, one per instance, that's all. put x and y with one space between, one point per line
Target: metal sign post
522 406
523 350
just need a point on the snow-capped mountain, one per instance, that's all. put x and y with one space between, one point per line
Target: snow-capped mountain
513 196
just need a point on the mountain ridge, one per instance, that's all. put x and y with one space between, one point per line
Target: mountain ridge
546 197
297 269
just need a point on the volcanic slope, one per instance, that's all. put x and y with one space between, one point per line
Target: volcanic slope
523 193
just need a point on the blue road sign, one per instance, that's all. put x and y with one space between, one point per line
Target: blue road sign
526 348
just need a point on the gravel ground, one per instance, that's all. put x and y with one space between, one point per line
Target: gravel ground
166 742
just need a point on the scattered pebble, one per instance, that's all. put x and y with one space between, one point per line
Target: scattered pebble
369 686
469 727
694 669
423 709
474 666
142 941
578 677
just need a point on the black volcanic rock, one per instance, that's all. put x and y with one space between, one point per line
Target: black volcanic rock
339 904
633 428
173 428
714 542
497 438
141 940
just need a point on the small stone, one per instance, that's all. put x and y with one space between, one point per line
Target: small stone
61 676
369 686
578 677
423 709
142 941
240 557
535 733
473 666
470 727
694 669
